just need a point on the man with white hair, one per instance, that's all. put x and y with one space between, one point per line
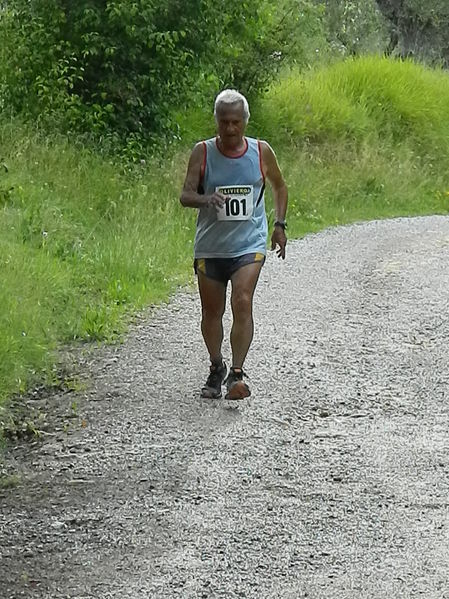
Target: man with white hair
225 181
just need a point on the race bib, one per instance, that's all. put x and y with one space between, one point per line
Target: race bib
240 204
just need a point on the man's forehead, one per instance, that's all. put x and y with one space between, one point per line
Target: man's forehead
230 110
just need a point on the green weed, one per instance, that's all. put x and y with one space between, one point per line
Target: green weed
9 481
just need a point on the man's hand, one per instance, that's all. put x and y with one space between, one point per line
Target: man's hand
279 241
216 199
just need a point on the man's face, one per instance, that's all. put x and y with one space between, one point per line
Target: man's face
231 123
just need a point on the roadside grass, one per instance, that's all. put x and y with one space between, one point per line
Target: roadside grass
85 244
82 247
351 186
361 139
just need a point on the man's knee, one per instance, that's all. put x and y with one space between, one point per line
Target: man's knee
242 303
211 312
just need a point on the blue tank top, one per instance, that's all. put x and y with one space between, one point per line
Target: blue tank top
241 226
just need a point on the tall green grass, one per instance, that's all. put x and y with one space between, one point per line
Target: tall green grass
368 99
82 246
84 243
362 139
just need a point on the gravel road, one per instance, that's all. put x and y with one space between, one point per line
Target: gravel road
331 481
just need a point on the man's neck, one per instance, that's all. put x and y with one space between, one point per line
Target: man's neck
232 149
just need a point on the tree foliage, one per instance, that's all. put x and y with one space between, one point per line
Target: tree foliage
121 65
419 29
354 27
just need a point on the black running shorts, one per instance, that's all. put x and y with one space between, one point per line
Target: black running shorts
222 269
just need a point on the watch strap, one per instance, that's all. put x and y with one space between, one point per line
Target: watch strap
281 223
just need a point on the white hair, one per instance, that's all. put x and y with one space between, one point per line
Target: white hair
232 96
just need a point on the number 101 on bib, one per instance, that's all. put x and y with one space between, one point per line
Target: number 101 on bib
239 205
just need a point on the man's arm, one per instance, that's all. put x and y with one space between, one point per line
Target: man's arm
280 196
190 198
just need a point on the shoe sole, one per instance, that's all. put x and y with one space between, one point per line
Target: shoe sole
209 393
239 390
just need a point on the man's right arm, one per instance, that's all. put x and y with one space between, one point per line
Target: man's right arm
190 198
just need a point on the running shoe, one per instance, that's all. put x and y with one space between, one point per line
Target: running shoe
236 387
217 375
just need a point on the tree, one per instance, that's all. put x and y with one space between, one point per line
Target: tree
120 66
419 29
354 26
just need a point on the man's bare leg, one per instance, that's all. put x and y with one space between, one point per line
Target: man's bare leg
244 282
213 301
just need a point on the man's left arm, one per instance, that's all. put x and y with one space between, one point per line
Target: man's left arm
280 196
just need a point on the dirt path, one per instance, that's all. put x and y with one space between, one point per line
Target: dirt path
332 482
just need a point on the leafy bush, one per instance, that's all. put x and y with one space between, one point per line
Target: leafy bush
117 69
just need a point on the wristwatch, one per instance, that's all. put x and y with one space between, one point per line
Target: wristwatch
281 223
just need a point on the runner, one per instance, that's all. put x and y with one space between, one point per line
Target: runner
226 181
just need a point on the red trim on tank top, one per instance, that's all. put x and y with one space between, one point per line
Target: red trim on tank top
237 155
203 166
260 160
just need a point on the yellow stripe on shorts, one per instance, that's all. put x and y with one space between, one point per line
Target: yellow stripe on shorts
201 265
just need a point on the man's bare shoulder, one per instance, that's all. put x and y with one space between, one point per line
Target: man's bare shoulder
198 149
267 150
197 154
